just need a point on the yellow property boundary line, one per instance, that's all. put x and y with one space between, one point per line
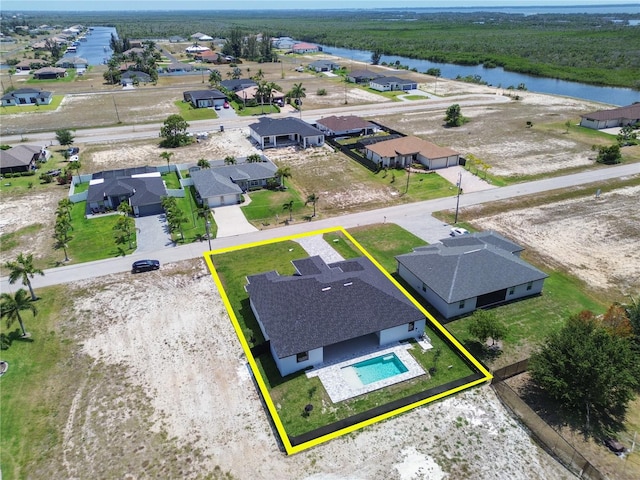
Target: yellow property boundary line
291 449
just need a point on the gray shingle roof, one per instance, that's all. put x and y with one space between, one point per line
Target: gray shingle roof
219 180
283 126
205 94
389 80
27 91
469 266
18 156
208 183
238 84
322 305
142 191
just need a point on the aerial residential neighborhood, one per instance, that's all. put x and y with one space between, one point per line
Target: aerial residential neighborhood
276 243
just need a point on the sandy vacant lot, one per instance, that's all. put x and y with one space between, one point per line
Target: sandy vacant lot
188 384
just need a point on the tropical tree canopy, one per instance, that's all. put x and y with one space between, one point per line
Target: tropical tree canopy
12 305
588 369
23 269
174 132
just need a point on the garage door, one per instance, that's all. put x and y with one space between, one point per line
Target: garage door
154 209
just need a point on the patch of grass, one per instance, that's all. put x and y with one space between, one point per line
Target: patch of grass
30 394
415 97
254 110
81 187
266 206
55 103
386 241
171 180
93 238
190 114
195 226
9 241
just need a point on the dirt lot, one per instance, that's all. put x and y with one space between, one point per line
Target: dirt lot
182 402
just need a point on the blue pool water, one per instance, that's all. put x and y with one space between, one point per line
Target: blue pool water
379 368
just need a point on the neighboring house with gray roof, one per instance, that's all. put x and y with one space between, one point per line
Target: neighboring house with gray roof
22 158
141 187
616 117
205 98
461 274
236 84
73 62
324 66
132 77
322 305
279 132
222 185
362 76
27 96
386 84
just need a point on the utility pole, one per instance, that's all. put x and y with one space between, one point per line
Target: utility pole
116 107
408 175
459 184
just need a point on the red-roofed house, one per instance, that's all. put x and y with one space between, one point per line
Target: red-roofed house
402 152
305 48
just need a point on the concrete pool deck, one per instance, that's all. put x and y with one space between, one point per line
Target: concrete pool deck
341 382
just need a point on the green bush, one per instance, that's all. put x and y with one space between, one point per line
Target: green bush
30 173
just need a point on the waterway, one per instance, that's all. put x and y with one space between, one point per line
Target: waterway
95 49
499 77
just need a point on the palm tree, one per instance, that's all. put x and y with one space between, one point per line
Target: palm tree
312 199
263 91
230 160
283 172
23 269
167 156
297 92
289 206
203 163
11 306
259 75
64 208
215 78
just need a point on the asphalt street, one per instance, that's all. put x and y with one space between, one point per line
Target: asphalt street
415 217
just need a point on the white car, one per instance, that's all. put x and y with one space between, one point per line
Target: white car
458 231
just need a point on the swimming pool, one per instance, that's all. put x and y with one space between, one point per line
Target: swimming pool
379 368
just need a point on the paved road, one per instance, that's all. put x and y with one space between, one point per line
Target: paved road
415 217
150 130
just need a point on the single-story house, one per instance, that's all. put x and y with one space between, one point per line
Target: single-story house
177 39
464 273
27 96
322 305
284 43
362 76
250 95
345 125
402 152
179 67
386 84
29 64
303 47
237 84
196 49
130 77
204 98
142 187
201 37
49 73
616 117
275 132
22 158
72 62
324 66
133 52
222 185
208 56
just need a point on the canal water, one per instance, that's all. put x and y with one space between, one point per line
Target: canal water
95 49
500 77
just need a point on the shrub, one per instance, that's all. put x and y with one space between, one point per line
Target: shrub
321 92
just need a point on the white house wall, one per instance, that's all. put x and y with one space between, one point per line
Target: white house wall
401 332
290 364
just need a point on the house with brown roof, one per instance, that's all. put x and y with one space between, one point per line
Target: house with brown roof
345 125
49 73
402 152
29 64
249 95
616 117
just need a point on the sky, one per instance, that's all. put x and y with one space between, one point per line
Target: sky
122 5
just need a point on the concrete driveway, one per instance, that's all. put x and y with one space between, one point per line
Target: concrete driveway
231 221
153 233
470 182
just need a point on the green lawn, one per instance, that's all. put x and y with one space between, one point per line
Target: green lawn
194 229
93 238
55 103
30 391
257 110
266 207
189 113
171 180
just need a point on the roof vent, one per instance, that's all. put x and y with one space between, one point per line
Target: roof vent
326 289
348 284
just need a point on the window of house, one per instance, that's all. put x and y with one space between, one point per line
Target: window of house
412 326
461 304
512 290
302 357
529 285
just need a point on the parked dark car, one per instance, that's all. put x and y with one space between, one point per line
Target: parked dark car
614 445
145 266
73 150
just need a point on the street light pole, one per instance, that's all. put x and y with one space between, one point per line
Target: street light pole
208 227
458 196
